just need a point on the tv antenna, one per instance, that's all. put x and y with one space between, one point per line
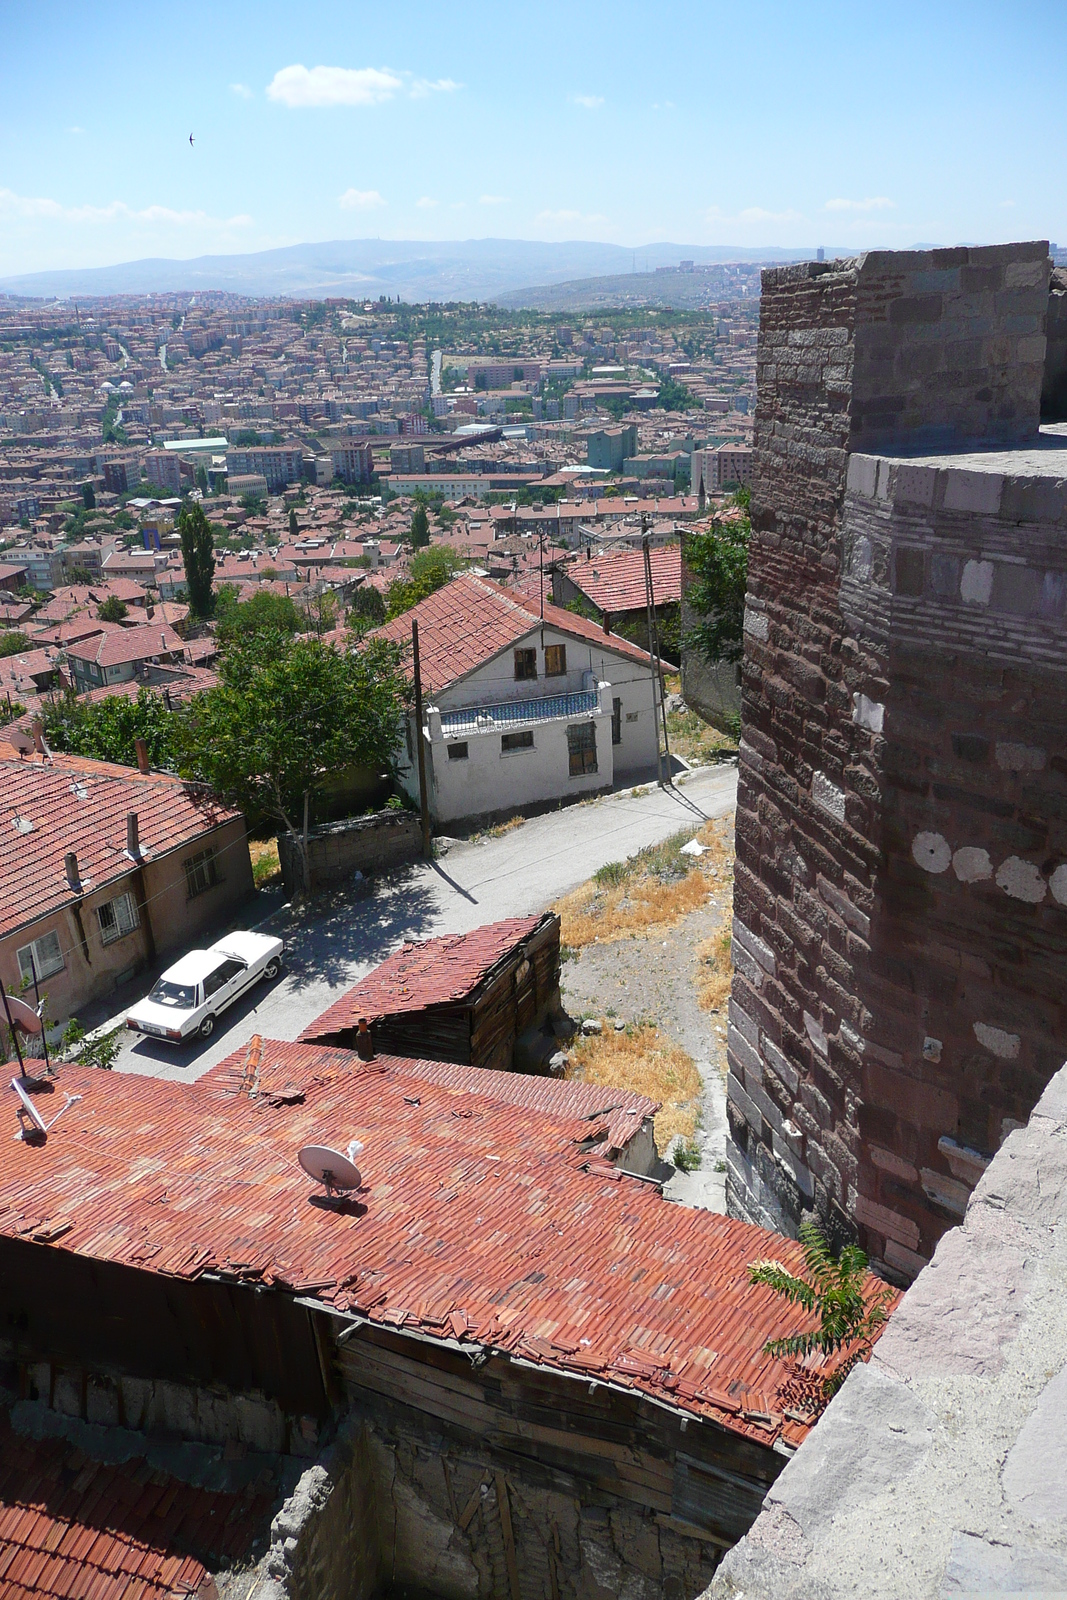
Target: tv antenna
32 1126
336 1172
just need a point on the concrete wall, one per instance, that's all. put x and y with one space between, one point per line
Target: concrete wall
893 1014
337 850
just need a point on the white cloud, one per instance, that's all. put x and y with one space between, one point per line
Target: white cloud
591 102
75 130
241 90
876 203
493 200
426 204
360 200
421 87
752 214
1007 205
558 217
333 86
30 208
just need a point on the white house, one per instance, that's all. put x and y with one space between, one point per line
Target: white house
520 710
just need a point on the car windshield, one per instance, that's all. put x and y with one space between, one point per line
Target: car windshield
166 993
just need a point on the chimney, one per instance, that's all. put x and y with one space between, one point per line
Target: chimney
364 1042
607 623
70 861
37 729
142 755
133 835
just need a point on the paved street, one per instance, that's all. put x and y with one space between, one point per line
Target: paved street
332 943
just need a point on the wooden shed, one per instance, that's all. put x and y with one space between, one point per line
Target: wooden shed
469 998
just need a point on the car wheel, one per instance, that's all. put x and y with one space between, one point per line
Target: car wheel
272 969
206 1028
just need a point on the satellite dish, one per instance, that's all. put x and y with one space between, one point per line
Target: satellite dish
21 741
330 1168
31 1123
23 1016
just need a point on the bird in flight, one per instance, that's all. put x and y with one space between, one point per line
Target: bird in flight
190 138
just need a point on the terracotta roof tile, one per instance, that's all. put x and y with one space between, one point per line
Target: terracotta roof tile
459 1192
616 582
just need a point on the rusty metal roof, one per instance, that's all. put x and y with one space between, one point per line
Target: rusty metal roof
477 1221
426 972
78 1528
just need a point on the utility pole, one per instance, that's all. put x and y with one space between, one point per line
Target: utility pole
659 703
424 804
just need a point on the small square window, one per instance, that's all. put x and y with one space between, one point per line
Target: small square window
458 752
201 873
516 741
117 918
555 660
525 664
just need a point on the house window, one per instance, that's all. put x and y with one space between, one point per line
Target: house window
616 721
525 664
581 748
117 918
555 660
43 954
458 752
201 873
516 741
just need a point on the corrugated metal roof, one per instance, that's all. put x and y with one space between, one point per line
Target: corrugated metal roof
477 1220
471 620
425 972
74 1527
70 803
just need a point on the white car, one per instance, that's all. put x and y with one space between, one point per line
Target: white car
190 995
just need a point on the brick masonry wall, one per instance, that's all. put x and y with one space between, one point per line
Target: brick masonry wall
875 703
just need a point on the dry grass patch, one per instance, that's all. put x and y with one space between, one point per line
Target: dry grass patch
712 981
643 1060
651 891
266 868
498 830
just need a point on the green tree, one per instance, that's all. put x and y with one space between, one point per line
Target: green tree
835 1292
105 730
366 609
286 713
294 523
201 478
254 504
198 554
265 612
420 525
112 610
12 643
717 560
431 569
88 497
674 396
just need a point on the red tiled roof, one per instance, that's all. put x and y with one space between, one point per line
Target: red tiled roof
72 1526
129 644
477 1220
616 582
425 972
471 620
76 804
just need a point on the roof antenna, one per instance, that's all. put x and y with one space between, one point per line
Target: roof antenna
32 1126
336 1172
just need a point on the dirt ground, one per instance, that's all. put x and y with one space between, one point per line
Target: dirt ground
654 977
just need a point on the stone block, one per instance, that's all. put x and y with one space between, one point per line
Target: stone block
946 1192
743 1023
793 1166
890 1224
737 1097
909 1262
827 796
976 492
895 1165
744 1052
863 475
757 948
779 1064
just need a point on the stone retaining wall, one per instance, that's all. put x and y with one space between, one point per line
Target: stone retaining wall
337 850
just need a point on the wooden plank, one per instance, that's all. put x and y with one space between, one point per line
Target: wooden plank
509 1538
466 1516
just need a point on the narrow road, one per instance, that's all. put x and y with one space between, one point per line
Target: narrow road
334 942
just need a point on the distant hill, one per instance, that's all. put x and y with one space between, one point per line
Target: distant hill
663 290
470 269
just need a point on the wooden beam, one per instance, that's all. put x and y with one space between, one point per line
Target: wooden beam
509 1537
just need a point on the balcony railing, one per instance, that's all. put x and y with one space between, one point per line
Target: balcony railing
506 713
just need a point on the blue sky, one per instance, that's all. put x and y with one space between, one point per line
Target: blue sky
793 124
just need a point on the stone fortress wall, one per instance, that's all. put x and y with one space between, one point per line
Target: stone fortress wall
901 887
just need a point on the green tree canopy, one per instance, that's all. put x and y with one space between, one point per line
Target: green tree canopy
88 497
366 609
105 730
674 396
717 560
198 554
288 711
431 569
420 525
112 610
12 643
294 523
264 612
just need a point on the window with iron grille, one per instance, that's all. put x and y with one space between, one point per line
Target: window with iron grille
525 664
581 748
516 741
616 721
458 751
44 954
201 873
117 918
555 660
